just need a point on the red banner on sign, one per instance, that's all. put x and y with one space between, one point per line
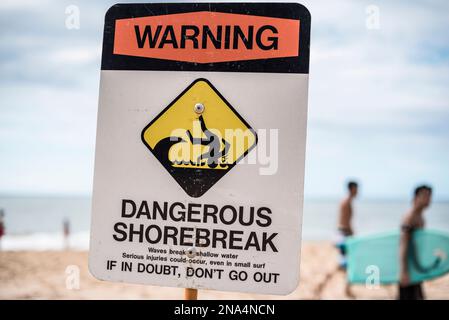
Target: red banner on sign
207 37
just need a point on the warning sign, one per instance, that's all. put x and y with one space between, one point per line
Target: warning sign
200 151
199 137
206 36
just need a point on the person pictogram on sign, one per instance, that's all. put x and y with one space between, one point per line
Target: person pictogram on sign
214 142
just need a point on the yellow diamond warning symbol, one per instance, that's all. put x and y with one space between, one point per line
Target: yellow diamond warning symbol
199 137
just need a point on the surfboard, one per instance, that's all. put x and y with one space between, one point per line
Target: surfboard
378 256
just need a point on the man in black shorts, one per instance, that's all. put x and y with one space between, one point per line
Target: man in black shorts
345 229
412 221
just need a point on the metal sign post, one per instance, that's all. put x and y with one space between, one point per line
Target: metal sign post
190 294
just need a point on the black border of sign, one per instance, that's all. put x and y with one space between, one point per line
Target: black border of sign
228 105
299 64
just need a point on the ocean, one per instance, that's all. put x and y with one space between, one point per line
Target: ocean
36 223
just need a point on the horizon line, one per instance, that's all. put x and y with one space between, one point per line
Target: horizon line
306 197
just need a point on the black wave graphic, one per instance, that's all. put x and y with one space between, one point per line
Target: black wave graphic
194 181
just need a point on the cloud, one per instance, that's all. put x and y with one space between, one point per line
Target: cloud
378 100
379 104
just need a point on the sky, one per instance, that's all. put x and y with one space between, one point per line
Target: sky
378 97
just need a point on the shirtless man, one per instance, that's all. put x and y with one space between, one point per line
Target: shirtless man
345 217
344 230
345 226
66 232
2 225
412 221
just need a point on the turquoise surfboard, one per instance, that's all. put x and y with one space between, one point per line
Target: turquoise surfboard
428 256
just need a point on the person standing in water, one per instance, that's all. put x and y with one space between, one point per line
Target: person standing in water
412 221
345 226
66 233
2 226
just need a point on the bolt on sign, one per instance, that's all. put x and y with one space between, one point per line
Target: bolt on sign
199 164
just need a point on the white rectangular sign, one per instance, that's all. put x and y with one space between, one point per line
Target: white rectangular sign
199 166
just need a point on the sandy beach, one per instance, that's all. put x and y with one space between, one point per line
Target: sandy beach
42 275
